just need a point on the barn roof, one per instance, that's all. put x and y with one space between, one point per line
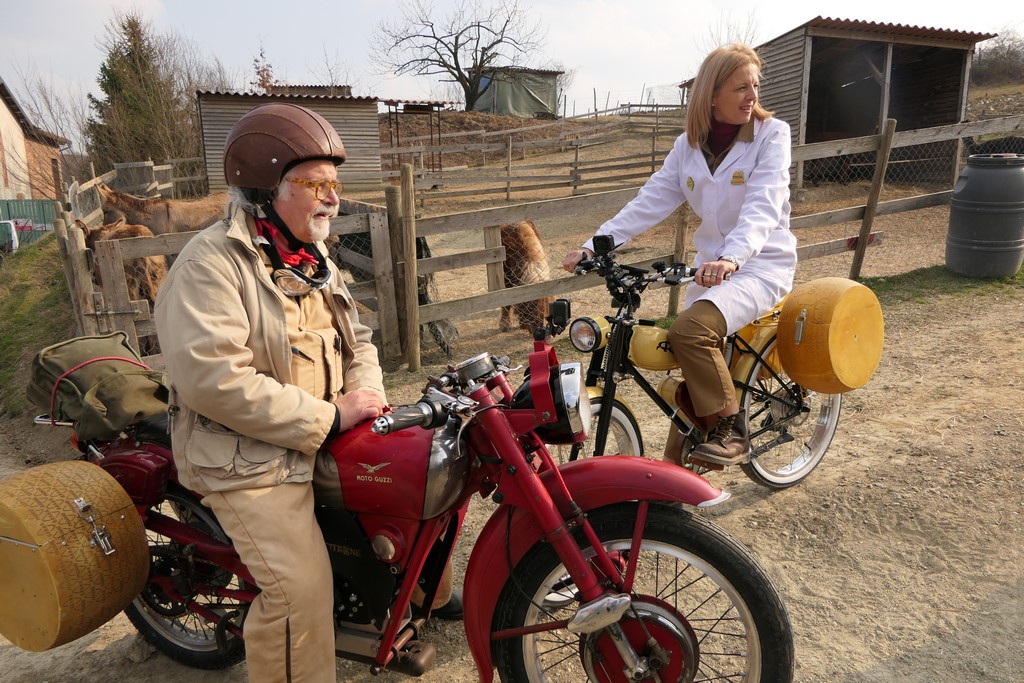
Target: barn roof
29 129
282 96
886 32
894 30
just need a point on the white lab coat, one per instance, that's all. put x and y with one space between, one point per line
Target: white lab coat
744 211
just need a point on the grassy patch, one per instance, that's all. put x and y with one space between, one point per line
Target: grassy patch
35 311
925 283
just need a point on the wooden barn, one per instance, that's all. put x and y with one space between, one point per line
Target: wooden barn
836 78
355 119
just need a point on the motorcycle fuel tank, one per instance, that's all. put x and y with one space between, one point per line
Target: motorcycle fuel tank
649 348
412 473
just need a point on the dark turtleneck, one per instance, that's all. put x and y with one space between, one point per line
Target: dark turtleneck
721 136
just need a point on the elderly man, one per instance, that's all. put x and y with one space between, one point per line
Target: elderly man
267 360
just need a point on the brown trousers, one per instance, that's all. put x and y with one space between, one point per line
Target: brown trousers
698 337
289 631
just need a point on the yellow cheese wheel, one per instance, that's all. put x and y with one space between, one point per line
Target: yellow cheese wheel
831 334
57 584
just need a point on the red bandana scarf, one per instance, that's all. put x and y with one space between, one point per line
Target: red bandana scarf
269 231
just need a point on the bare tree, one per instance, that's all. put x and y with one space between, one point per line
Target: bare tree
727 30
563 83
331 71
999 60
58 111
464 46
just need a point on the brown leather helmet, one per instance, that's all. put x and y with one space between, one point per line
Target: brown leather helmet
271 138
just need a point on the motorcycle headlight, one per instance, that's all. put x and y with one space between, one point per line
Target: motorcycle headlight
572 405
587 334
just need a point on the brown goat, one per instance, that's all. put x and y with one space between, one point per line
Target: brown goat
162 215
525 264
142 275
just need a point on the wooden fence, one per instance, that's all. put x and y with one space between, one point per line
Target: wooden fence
652 125
392 306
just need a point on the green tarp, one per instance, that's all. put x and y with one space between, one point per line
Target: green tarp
520 93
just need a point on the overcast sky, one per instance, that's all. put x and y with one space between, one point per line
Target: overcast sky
616 47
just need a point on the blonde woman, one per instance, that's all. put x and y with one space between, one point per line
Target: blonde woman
732 166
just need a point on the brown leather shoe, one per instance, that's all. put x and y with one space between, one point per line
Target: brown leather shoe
451 610
727 444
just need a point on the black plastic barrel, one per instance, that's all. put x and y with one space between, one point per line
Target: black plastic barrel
986 218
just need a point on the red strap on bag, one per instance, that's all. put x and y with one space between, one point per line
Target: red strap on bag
56 384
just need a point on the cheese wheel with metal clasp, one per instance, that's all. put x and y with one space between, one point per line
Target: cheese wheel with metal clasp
831 334
73 553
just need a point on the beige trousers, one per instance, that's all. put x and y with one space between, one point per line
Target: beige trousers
697 338
289 631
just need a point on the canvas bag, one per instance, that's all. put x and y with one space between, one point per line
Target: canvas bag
99 383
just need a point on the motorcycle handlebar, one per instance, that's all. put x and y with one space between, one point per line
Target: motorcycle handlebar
429 412
416 415
673 274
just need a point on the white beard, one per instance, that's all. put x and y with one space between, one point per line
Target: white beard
319 229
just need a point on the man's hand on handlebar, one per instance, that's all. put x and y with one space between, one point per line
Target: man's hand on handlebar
573 258
358 405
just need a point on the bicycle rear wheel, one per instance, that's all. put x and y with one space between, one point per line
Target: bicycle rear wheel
790 426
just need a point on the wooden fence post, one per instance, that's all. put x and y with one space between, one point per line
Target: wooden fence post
574 171
412 322
508 171
393 200
679 253
60 230
384 284
495 270
881 164
120 311
81 280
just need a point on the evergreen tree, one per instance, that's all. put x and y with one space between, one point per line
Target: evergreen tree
148 108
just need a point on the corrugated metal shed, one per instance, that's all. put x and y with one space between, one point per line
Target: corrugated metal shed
355 119
839 78
831 78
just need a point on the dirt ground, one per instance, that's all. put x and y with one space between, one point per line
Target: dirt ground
899 559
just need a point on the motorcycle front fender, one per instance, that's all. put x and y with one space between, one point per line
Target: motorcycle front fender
593 483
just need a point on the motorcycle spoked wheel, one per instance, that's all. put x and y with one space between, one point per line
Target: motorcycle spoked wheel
168 625
698 592
787 441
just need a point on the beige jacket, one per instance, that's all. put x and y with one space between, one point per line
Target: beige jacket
237 420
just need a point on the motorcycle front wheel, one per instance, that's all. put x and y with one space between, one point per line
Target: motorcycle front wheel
790 427
623 435
169 625
706 602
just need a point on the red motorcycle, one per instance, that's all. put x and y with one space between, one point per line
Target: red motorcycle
594 570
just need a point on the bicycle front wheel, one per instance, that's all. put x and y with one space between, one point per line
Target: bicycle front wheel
790 426
623 436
